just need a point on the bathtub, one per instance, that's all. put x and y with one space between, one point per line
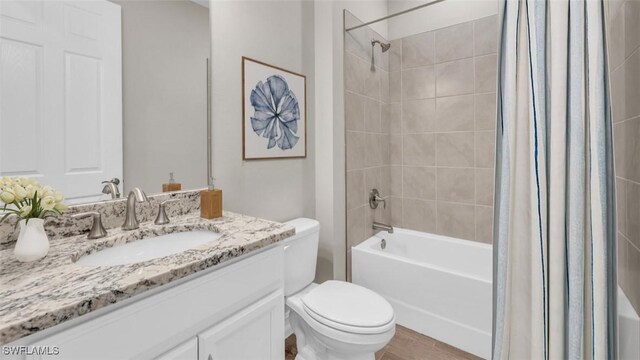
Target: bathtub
441 287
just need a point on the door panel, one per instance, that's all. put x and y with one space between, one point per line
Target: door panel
61 93
256 332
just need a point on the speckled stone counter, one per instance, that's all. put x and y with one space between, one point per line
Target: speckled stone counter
35 296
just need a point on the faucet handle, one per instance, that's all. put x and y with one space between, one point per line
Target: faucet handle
375 199
162 217
97 229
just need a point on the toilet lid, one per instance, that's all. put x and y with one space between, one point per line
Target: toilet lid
342 303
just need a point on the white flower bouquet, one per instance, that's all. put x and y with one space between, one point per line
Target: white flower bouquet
27 199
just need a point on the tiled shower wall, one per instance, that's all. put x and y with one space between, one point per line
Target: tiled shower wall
624 65
442 124
367 131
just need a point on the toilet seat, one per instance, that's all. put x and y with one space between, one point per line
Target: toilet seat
348 307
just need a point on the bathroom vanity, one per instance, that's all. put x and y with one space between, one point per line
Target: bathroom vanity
222 299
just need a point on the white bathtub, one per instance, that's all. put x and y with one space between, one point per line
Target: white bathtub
439 286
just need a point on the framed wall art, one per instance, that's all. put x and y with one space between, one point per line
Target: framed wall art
274 112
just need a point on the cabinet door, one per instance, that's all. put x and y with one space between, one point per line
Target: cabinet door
188 350
254 333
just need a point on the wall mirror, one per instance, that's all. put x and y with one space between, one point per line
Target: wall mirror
92 91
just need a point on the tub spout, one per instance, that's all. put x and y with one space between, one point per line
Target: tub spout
384 227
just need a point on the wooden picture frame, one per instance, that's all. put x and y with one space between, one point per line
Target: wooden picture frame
273 131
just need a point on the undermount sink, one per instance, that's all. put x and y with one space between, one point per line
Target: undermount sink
148 248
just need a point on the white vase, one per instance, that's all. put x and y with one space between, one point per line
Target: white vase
33 243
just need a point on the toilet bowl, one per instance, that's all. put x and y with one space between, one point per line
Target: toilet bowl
334 320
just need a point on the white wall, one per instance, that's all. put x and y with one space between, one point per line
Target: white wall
446 13
279 33
164 93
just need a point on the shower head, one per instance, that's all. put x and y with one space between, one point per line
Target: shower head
385 46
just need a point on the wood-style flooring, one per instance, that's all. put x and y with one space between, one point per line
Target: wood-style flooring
405 345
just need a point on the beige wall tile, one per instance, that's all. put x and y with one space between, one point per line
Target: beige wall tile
632 147
395 55
354 73
632 85
486 70
395 149
618 99
486 35
355 189
621 205
395 180
385 149
484 224
455 220
453 78
456 184
418 149
354 111
355 150
455 149
395 205
623 265
384 86
485 114
373 150
372 82
453 42
395 86
619 148
418 50
377 178
385 120
419 215
419 182
484 186
418 83
395 118
485 149
455 113
631 26
633 213
372 118
418 115
616 40
355 226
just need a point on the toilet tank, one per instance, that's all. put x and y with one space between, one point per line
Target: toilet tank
300 254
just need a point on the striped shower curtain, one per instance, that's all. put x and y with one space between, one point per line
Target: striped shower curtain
554 261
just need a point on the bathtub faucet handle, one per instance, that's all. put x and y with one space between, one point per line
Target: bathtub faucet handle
375 199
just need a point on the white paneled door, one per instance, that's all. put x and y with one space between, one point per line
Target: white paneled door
61 93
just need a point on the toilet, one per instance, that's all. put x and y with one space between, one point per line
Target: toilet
334 320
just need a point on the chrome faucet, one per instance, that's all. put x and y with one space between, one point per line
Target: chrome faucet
130 219
111 187
383 227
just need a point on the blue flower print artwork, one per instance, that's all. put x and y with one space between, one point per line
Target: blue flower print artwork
274 121
276 113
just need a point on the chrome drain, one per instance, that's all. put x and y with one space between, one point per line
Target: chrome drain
383 244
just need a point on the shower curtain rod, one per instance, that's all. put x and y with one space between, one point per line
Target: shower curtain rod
394 15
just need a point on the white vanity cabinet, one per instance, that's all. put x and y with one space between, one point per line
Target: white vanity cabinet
184 351
230 312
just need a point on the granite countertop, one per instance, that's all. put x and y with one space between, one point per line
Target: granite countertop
39 295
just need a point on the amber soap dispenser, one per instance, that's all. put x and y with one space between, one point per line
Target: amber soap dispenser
211 203
172 185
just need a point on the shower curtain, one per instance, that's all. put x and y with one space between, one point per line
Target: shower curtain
554 262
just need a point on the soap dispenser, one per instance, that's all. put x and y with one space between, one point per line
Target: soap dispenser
211 202
172 185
